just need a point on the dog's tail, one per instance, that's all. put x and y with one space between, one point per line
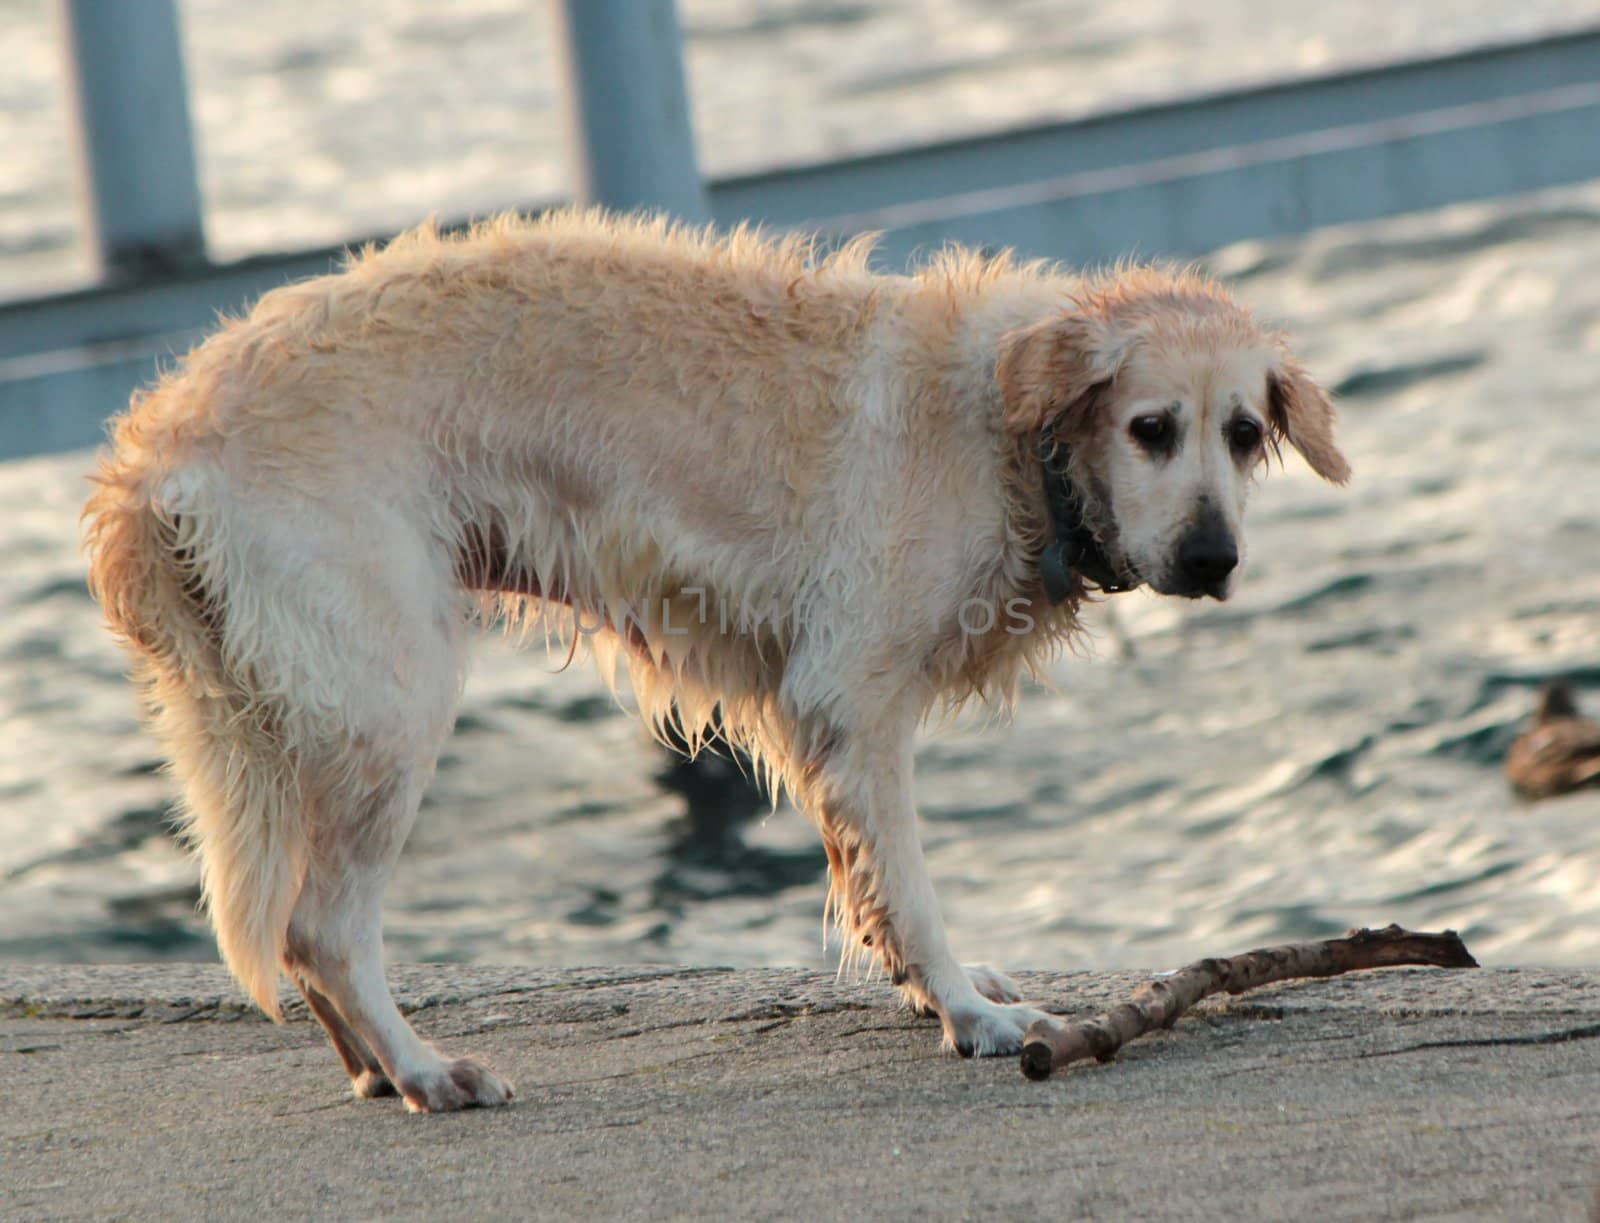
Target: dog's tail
156 535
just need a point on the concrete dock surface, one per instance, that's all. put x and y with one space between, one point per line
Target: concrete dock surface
143 1093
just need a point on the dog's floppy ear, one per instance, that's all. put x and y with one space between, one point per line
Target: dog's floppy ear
1303 415
1052 373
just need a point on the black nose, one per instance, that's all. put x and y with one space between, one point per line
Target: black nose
1208 556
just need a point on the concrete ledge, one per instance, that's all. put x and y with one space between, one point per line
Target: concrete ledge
717 1093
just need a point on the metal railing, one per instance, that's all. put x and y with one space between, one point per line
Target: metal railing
628 112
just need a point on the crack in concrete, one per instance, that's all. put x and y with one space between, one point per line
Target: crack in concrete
320 1108
635 1071
579 986
899 1028
781 1014
670 1026
626 1124
1558 1037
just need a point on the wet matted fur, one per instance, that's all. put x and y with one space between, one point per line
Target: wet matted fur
782 491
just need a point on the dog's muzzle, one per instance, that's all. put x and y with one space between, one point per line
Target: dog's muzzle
1207 557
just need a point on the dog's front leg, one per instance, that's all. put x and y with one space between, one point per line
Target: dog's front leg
881 897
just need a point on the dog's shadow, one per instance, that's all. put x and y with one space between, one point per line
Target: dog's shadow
706 856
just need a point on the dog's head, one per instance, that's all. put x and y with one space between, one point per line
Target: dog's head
1170 397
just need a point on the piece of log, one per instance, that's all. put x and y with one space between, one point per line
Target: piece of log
1049 1045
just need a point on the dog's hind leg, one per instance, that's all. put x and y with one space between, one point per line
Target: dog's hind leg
361 785
331 816
334 948
361 1064
356 667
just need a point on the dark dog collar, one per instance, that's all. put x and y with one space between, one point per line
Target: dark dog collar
1073 554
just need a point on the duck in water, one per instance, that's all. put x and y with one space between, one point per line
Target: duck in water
1560 752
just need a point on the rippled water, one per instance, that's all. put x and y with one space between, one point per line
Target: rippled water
318 122
1321 751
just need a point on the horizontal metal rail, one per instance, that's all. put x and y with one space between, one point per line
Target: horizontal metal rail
808 194
1199 201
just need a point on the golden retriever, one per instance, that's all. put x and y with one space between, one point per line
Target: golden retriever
794 498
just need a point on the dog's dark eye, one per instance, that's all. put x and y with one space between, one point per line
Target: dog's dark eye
1152 432
1244 435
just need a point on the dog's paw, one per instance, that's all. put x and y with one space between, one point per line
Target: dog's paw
372 1085
986 1029
462 1083
993 984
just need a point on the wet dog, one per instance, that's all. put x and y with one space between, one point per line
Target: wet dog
786 494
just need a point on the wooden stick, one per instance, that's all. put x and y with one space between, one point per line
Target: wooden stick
1159 1002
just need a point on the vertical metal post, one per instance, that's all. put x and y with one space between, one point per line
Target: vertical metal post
629 106
135 149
